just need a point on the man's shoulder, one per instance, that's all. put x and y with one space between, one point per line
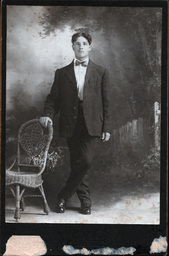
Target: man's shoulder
98 67
67 67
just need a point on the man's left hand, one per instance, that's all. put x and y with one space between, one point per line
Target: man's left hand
105 136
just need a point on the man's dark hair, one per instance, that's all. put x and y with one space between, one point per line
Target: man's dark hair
85 35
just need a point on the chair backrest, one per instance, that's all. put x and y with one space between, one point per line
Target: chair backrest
33 144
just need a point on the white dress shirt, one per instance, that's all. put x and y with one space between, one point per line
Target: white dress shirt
80 73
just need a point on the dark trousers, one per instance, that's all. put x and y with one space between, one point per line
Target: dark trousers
82 148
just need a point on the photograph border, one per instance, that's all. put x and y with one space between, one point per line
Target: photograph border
92 236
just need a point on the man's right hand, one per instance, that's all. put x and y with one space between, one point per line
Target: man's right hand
44 121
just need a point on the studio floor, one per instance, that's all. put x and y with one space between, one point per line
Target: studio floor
118 197
128 210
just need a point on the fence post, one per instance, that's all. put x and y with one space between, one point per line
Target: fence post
140 129
134 134
157 114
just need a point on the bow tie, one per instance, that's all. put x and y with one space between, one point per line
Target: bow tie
83 63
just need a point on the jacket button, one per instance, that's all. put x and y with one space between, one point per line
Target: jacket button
75 107
74 117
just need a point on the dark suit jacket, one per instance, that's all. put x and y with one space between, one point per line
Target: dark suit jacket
63 98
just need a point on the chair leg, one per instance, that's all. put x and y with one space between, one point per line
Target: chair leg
46 206
17 214
22 204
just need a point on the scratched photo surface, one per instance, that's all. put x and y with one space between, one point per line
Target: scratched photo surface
125 177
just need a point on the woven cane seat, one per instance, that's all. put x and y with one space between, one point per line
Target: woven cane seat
30 180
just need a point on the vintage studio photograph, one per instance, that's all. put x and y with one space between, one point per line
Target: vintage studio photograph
83 114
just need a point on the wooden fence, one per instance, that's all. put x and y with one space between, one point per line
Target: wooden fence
134 135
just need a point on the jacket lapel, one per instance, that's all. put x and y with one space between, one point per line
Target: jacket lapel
90 71
71 74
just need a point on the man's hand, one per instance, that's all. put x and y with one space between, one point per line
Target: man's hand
105 136
44 121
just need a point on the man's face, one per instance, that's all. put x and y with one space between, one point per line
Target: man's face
81 47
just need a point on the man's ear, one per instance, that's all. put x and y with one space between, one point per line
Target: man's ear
90 47
73 47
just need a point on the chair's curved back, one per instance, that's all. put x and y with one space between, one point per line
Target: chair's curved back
34 140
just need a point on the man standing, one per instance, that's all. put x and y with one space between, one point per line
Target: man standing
81 94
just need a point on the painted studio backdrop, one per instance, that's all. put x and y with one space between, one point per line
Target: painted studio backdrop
125 179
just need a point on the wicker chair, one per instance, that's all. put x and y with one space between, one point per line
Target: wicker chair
26 171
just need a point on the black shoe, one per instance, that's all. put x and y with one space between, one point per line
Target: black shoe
61 204
85 210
